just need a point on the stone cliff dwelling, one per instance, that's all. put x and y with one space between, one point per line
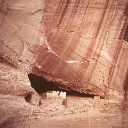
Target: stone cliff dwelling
75 50
41 86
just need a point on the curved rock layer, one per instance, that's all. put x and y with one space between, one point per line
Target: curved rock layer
80 44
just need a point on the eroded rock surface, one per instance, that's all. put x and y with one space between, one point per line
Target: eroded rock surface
84 45
81 45
78 45
19 30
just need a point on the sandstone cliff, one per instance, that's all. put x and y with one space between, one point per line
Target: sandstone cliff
82 45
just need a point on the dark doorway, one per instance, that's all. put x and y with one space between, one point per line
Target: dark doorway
41 85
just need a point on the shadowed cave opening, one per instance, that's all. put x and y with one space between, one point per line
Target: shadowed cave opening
41 85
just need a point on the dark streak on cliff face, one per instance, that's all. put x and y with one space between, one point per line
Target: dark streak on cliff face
63 12
126 34
123 36
125 101
92 45
126 11
126 31
126 87
100 46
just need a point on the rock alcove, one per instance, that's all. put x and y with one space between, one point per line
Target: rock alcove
41 85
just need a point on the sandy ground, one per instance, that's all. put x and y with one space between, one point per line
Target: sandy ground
81 112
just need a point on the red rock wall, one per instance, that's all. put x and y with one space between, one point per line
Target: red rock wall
84 44
81 44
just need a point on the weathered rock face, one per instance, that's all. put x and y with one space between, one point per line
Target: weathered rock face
20 21
79 44
85 44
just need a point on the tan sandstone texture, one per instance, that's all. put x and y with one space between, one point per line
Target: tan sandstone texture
79 45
